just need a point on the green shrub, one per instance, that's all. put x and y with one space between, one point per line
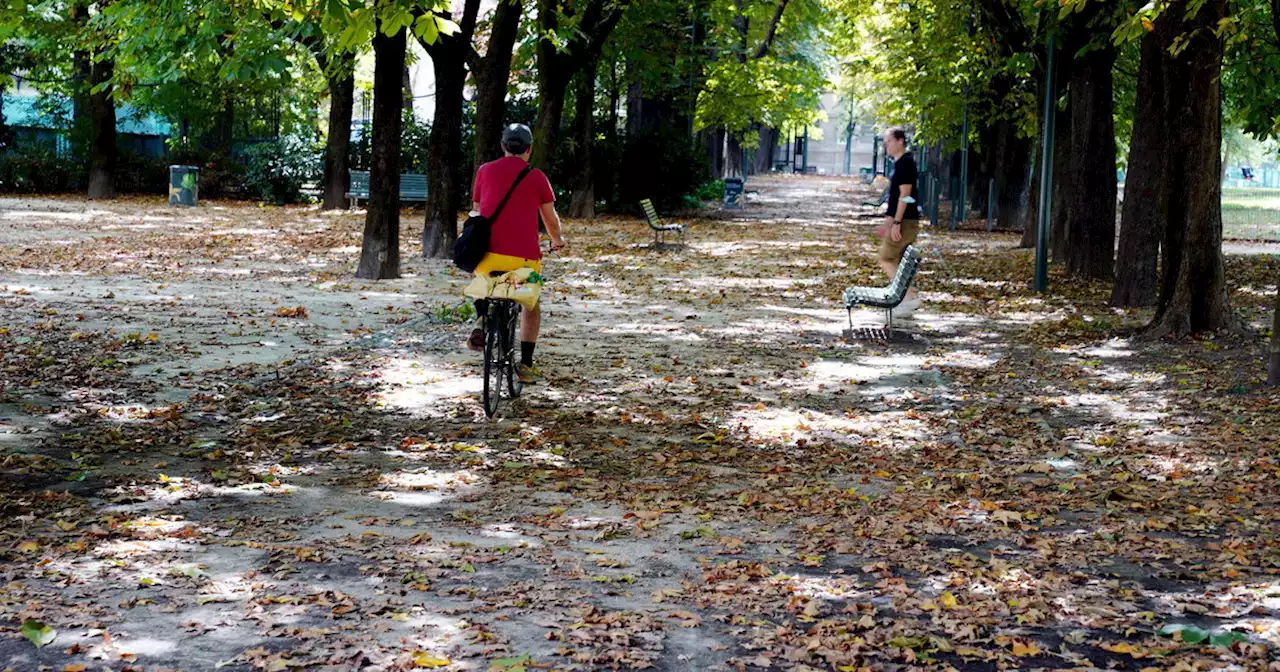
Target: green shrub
711 191
39 171
663 165
276 170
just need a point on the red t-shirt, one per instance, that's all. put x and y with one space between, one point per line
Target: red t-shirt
515 232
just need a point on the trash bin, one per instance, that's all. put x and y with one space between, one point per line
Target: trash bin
183 185
733 187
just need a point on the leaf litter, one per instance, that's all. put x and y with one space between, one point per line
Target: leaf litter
222 452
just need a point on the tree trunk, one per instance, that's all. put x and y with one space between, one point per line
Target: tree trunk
1013 178
1193 297
224 125
380 257
732 155
82 65
337 151
583 203
546 128
1273 370
444 152
102 160
557 68
407 82
1058 233
1145 195
1091 237
768 147
492 77
1029 215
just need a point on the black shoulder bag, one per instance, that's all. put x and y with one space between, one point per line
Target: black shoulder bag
473 244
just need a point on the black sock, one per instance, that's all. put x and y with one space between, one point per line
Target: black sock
526 352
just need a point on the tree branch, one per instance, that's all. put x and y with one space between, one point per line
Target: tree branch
773 30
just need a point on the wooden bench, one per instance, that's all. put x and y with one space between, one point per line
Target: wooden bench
660 230
887 297
413 187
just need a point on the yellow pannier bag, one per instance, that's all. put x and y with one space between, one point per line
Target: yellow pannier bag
523 285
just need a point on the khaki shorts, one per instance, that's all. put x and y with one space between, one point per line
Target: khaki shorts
891 250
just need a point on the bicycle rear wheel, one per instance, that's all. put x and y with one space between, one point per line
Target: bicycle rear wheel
495 357
514 386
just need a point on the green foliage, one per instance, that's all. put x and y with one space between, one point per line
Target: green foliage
460 313
663 165
710 191
34 170
415 138
276 170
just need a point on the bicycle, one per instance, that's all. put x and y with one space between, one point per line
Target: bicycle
500 325
502 319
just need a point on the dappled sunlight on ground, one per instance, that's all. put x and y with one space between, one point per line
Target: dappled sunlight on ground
296 473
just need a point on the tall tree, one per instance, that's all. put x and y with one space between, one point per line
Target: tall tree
102 157
1091 223
561 57
380 255
1145 190
340 76
1193 293
583 203
444 153
492 74
1273 375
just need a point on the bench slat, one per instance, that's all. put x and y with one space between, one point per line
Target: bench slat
413 186
892 294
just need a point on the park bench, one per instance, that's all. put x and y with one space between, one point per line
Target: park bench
884 198
887 297
660 230
413 187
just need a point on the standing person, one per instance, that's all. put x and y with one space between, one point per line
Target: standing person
902 218
513 243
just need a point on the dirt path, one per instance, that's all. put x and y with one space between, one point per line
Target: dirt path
202 476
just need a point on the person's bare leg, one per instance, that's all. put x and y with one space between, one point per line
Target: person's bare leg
530 323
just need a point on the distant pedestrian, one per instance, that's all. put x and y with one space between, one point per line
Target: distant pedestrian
902 218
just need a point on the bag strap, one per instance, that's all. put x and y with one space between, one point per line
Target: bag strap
494 217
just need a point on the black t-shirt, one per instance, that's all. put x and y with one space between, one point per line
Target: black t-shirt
904 172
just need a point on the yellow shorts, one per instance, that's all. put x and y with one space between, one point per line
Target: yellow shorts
505 263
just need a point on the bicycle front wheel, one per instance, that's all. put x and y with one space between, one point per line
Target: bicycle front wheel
495 357
514 386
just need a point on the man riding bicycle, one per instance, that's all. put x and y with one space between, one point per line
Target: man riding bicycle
513 242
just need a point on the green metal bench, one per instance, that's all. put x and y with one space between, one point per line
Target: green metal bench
660 230
884 198
413 187
887 297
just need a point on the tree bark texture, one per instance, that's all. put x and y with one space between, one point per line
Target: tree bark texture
337 150
1029 216
1059 233
444 150
380 256
1091 237
1146 197
1273 369
1193 296
492 75
583 203
102 158
556 68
